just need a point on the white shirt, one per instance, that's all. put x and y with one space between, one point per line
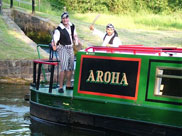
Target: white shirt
56 35
116 41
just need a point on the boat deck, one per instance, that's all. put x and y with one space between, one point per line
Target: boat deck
45 89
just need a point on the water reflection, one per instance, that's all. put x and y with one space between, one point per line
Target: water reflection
39 127
14 111
43 128
15 119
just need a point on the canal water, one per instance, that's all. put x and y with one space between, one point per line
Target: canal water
14 111
15 118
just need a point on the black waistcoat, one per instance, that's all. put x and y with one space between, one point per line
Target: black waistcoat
64 38
115 35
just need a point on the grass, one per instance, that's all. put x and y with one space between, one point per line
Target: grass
139 28
12 46
161 33
141 20
136 21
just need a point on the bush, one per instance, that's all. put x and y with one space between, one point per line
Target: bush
158 6
120 6
83 6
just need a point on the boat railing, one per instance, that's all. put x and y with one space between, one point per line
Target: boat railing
39 56
36 76
136 49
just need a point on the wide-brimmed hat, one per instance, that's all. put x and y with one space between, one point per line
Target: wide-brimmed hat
64 15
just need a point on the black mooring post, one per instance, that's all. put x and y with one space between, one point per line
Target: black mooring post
0 6
33 6
11 3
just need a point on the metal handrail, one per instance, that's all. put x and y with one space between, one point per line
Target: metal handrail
38 51
135 49
36 77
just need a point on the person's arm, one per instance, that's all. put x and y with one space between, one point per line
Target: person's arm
55 39
77 45
97 32
75 37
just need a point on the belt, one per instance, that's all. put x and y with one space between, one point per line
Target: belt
66 46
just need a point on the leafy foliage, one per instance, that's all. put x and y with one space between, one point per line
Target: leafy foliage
120 6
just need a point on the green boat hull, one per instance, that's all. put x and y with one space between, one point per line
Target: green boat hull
97 101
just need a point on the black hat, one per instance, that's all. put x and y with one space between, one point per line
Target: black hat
110 26
64 15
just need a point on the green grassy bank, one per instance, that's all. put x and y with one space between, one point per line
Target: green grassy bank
12 46
139 28
145 29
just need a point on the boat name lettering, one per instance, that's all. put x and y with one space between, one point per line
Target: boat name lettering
108 78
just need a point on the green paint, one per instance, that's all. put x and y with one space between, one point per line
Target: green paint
161 110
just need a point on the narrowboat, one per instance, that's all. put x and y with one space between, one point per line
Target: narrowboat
130 89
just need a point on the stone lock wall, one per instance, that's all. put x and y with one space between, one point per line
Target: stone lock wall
21 69
16 68
36 27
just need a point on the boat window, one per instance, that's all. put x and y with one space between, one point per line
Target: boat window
168 82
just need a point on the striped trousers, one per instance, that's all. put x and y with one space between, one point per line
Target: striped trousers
66 57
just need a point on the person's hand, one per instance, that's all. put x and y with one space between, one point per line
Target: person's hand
91 27
53 45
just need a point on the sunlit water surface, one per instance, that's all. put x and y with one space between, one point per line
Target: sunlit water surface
15 118
14 110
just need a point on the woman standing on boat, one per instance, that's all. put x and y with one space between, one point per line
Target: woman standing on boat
110 38
63 38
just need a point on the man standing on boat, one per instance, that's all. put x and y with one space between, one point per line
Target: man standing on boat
110 38
64 37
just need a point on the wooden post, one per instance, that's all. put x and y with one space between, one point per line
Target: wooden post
0 6
64 9
33 6
18 3
11 3
39 5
